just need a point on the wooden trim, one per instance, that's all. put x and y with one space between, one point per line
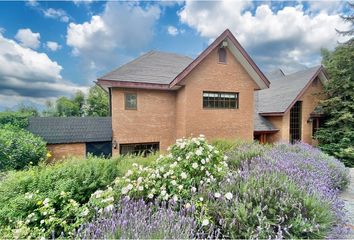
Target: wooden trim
154 86
209 49
267 131
271 114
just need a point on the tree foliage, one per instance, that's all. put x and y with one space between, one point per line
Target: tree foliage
337 136
97 102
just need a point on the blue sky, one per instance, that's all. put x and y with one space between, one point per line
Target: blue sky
50 49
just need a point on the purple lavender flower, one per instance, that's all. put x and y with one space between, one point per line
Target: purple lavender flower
140 220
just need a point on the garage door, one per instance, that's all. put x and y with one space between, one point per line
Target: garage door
99 149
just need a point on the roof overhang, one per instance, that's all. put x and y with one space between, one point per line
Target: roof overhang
320 73
266 131
123 84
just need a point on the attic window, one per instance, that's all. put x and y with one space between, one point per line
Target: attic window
222 55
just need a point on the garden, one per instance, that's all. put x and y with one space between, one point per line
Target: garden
197 189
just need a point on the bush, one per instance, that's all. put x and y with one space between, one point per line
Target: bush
17 119
191 162
267 206
20 148
141 220
50 198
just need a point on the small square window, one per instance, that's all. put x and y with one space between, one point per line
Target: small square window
130 101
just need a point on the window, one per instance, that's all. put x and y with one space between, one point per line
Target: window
220 100
139 148
222 55
130 101
99 149
295 122
317 123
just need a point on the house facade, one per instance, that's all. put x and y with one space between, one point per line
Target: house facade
160 97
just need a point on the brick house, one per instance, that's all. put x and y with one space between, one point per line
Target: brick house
160 97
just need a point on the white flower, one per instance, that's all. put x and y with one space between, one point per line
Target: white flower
202 136
201 181
125 190
205 222
163 192
173 165
225 158
179 159
202 168
150 195
173 182
180 187
199 152
85 212
175 198
195 165
203 161
207 173
183 175
46 201
129 172
217 195
188 205
165 197
193 189
140 188
207 160
228 196
130 187
42 221
201 199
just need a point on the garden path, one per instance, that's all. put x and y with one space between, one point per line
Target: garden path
348 197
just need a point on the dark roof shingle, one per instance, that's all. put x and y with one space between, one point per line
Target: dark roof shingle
152 67
71 129
283 91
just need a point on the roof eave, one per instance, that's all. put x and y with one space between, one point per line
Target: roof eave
266 131
140 85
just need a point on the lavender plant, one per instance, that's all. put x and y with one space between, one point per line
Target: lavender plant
288 191
140 220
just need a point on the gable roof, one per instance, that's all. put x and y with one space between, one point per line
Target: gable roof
286 90
240 54
71 129
153 67
159 70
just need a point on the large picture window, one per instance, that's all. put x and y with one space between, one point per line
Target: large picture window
130 101
139 148
223 100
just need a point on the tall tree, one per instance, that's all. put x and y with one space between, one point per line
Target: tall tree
66 107
337 136
97 103
350 19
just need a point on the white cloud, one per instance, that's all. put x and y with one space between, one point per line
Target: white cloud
172 30
32 3
286 36
28 74
56 14
53 46
122 26
27 38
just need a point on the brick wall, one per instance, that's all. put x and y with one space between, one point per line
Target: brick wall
163 116
210 75
310 100
153 121
60 151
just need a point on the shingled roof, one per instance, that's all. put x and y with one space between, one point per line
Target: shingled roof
152 67
71 129
284 90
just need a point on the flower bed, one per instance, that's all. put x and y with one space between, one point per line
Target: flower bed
195 191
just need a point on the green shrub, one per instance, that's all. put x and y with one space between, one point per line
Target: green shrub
20 148
17 119
190 163
28 197
267 206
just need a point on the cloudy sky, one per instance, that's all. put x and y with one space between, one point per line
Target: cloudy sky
51 49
